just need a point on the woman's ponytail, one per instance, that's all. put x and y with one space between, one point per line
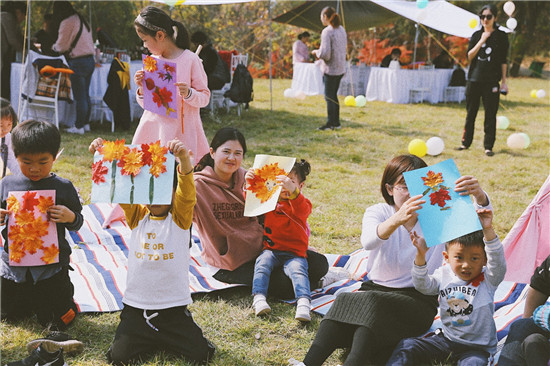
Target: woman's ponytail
181 34
332 16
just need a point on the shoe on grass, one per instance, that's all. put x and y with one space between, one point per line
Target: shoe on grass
325 127
489 152
302 310
77 131
334 274
261 307
54 341
41 357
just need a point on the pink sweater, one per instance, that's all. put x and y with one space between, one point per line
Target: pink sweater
68 29
153 127
228 238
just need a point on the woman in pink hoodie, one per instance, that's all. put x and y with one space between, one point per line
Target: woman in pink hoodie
230 241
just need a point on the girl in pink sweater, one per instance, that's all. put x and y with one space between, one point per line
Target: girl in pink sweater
168 39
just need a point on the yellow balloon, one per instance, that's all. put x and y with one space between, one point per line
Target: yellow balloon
472 23
534 93
418 147
350 100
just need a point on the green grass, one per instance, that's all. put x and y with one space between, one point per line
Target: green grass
346 169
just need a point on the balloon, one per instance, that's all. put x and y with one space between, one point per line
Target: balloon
540 93
511 23
289 93
533 93
300 95
435 145
418 147
349 101
360 101
421 3
502 122
472 23
509 8
518 140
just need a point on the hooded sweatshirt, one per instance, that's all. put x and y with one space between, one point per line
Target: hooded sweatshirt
228 238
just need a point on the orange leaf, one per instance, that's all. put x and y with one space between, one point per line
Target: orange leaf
44 203
50 254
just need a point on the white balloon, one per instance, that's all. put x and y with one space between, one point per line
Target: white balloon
516 141
300 95
435 145
511 23
509 8
289 93
541 93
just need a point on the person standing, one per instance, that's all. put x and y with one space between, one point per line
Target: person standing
300 52
74 40
13 13
487 54
332 54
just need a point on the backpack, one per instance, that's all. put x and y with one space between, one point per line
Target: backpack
241 87
458 78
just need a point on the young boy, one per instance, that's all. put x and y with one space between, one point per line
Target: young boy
44 290
285 242
155 316
466 285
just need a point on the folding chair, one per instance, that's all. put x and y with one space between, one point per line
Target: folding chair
423 80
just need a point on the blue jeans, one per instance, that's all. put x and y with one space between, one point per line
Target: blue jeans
419 351
332 83
80 82
520 337
293 266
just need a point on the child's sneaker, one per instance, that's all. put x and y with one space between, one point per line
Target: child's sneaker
56 340
41 357
302 310
261 307
334 274
295 362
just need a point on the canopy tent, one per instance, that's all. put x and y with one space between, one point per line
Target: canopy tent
438 14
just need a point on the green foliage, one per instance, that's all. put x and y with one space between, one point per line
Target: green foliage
346 169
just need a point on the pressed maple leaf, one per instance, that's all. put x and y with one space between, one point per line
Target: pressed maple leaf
166 96
439 197
38 228
13 204
17 236
150 64
264 181
169 68
23 218
131 163
50 254
44 203
157 167
99 171
113 150
157 98
29 201
16 252
146 158
432 179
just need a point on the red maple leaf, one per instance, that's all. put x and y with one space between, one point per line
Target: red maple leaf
440 197
98 172
147 157
29 201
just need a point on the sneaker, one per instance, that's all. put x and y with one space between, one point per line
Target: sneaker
337 127
294 362
261 307
54 341
41 357
334 274
78 131
302 310
86 127
489 152
461 147
325 127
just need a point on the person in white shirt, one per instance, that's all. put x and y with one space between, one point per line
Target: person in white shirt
300 52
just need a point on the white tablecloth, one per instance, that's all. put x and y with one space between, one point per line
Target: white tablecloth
307 77
392 86
98 86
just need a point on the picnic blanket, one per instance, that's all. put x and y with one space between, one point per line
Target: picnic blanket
99 260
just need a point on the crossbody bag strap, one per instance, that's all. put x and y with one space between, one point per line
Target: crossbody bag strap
241 200
75 41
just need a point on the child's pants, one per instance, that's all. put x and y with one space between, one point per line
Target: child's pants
419 351
141 333
293 266
50 299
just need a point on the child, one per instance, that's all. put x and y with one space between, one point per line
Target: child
466 287
285 242
9 119
44 290
168 40
155 315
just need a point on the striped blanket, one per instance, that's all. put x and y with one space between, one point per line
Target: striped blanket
99 260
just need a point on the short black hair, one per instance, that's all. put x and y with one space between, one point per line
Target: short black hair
6 110
396 51
304 35
302 169
199 37
474 239
35 137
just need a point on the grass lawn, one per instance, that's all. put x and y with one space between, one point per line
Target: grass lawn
346 169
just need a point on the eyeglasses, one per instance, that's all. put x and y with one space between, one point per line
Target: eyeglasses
402 189
488 16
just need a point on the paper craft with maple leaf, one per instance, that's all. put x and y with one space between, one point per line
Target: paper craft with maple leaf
264 183
440 193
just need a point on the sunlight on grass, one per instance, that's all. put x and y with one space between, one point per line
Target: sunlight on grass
346 169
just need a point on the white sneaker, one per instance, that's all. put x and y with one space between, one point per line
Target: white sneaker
334 274
261 307
78 131
86 127
302 310
295 362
